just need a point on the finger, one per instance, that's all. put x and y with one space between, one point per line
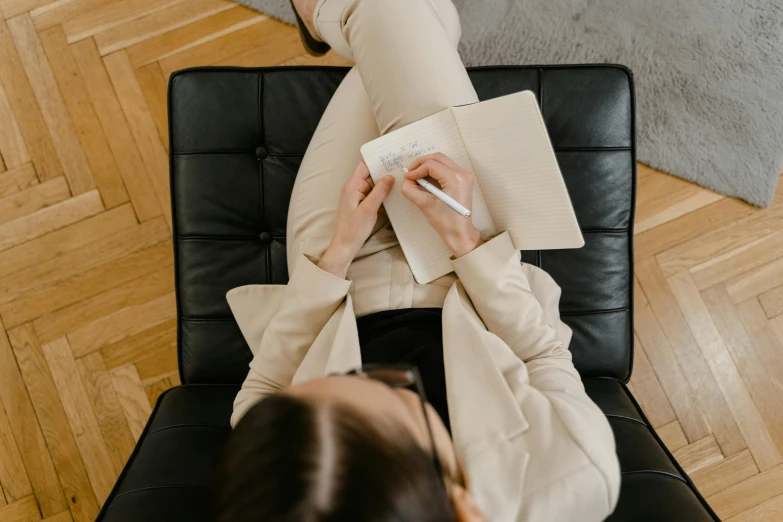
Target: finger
361 179
379 193
434 169
411 190
437 156
365 185
360 172
356 186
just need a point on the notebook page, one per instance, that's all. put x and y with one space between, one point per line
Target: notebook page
427 255
516 167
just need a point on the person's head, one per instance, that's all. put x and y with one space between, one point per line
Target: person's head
344 448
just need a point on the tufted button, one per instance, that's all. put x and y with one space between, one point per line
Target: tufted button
261 152
265 237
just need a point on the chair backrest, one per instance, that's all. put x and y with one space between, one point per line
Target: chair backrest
237 137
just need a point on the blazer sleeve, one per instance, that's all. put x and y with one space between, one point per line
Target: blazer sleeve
311 298
501 294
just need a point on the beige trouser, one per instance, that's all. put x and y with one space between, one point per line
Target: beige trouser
407 68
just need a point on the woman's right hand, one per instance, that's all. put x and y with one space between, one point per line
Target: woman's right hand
458 232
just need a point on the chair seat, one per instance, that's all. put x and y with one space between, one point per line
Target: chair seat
168 475
654 487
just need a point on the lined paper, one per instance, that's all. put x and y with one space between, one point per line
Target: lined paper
519 187
427 255
516 167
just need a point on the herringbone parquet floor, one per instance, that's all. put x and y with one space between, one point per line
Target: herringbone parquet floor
87 340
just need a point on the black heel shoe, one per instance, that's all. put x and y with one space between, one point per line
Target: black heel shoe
313 46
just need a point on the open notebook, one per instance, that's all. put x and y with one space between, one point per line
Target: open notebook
519 187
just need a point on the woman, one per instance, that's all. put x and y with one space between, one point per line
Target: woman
330 442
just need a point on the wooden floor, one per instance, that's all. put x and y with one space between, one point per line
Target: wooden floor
87 340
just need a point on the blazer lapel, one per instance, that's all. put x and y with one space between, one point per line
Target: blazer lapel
485 410
252 318
336 349
485 417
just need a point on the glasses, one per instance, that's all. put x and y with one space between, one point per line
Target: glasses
408 377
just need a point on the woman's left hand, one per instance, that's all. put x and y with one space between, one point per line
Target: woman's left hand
356 217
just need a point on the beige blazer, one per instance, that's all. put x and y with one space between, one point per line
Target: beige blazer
533 445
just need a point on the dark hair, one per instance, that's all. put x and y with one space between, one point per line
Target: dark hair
293 460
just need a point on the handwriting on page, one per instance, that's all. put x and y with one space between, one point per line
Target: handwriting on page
404 154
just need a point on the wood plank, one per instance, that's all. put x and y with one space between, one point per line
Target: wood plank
75 262
49 219
648 391
64 138
23 510
145 347
121 324
17 179
690 226
330 58
767 346
111 15
71 264
66 239
54 424
158 23
86 285
667 369
22 101
689 357
81 417
154 390
662 198
65 516
12 147
142 127
726 473
148 273
769 511
739 260
160 363
232 44
155 88
123 146
60 11
699 454
12 8
192 35
132 397
743 409
274 52
672 435
720 240
750 366
756 281
27 432
107 407
84 119
748 493
13 475
772 301
33 199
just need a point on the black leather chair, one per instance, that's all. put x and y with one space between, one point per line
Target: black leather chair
237 138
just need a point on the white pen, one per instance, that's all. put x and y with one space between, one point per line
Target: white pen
438 193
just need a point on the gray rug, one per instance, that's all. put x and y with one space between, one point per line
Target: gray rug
709 73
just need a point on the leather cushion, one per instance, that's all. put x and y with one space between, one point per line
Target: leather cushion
654 487
168 475
237 139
